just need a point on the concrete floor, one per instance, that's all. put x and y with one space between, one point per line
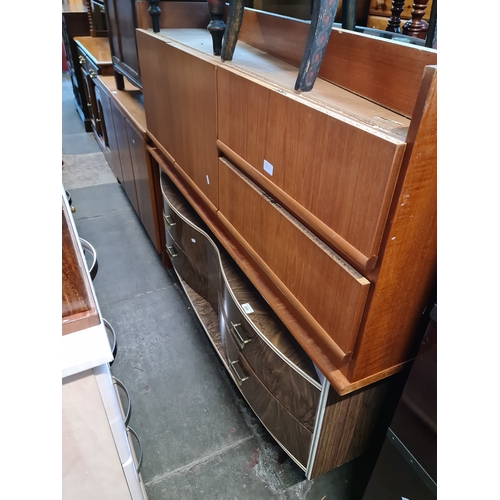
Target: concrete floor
200 439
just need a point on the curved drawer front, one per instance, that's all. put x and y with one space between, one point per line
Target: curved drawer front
324 289
290 387
291 434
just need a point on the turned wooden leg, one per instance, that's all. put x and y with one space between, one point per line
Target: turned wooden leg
154 12
417 27
216 25
395 19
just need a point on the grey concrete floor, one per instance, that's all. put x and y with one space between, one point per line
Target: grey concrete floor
200 439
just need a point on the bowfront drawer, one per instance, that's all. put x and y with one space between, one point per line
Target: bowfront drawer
336 173
291 387
293 436
185 231
328 293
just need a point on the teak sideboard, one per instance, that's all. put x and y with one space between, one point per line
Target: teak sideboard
302 226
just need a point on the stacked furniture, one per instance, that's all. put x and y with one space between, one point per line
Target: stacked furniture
322 203
302 226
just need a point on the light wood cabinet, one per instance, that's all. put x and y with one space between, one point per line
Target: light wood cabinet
326 202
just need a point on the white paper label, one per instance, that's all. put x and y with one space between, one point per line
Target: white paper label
247 308
268 167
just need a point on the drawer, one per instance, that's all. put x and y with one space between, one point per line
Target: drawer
87 64
328 293
197 263
278 373
292 435
338 175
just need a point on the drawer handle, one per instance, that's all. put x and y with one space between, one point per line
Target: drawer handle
129 402
171 251
238 337
87 247
169 220
139 462
92 73
81 59
241 378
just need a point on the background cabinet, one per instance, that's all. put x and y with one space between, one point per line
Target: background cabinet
125 146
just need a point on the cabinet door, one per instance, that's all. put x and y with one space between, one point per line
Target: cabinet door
128 181
326 291
144 186
111 150
179 99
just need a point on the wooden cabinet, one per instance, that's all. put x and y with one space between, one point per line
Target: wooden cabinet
124 144
326 202
94 59
273 373
182 111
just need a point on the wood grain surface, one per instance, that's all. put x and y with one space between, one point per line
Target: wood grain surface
407 275
351 170
293 321
280 362
79 310
179 98
96 49
353 423
295 260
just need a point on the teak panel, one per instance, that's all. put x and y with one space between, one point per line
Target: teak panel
324 358
407 274
179 98
341 172
371 67
272 352
326 290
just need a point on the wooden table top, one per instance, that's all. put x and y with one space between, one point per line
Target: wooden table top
97 48
130 101
79 309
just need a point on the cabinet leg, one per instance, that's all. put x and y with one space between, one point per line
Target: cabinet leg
120 82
